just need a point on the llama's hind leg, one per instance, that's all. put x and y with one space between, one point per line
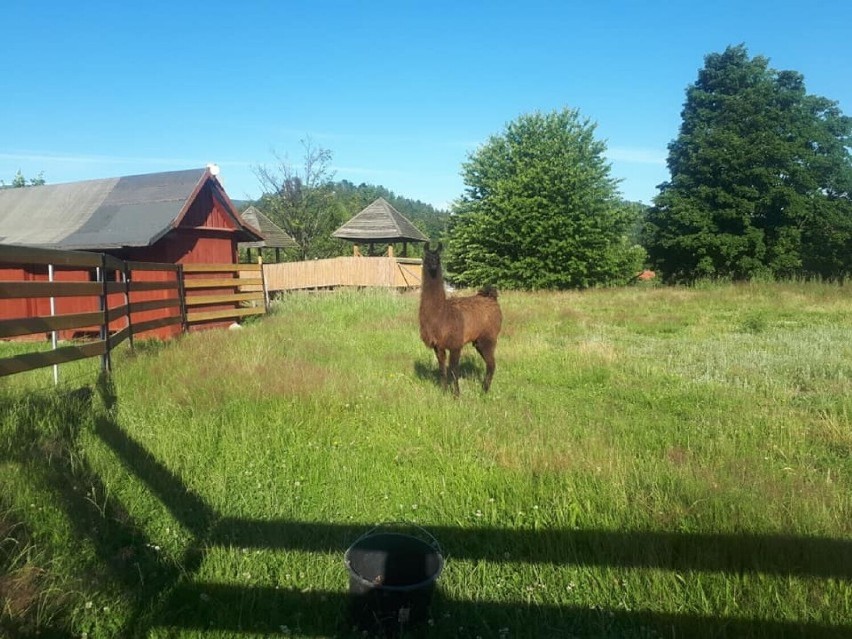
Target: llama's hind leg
486 349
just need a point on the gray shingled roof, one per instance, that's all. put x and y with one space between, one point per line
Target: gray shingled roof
136 210
276 237
380 222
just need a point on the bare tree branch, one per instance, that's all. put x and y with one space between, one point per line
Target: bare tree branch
300 200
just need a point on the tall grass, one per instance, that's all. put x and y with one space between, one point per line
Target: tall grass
649 462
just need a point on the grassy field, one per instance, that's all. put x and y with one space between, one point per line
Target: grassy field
650 462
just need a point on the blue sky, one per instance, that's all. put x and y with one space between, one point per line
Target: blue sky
400 92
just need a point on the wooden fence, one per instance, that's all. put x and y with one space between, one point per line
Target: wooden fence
393 272
211 296
114 301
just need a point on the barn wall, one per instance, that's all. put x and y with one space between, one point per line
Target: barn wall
208 212
12 308
188 246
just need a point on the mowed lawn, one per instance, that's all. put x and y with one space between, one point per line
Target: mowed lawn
650 462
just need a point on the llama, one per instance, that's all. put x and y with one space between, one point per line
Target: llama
448 323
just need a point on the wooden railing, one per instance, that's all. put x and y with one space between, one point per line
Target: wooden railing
112 300
97 292
213 294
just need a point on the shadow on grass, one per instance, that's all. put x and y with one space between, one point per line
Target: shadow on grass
270 611
470 367
734 554
169 596
44 442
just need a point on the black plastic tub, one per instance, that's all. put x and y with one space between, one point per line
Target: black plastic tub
392 578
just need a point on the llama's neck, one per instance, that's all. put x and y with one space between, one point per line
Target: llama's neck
432 290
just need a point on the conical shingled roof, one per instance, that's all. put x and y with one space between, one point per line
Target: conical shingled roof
380 222
276 237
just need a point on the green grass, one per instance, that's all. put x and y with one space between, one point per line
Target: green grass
650 462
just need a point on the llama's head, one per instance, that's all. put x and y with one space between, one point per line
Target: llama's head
432 259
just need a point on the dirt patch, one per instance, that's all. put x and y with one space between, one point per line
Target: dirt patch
21 581
19 591
677 456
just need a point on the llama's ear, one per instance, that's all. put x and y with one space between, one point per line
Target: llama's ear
440 246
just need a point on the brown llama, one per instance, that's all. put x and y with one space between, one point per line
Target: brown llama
448 323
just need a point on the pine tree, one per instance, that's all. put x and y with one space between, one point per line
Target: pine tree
760 171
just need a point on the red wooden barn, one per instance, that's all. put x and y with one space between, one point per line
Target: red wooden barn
176 217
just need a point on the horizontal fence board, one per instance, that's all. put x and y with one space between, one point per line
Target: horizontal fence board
136 287
220 268
221 282
115 287
202 300
31 361
32 325
154 305
118 312
118 337
206 316
143 327
31 255
49 289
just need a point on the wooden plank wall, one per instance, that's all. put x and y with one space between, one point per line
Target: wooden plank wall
389 272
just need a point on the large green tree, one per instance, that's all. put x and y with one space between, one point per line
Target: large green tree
760 178
541 210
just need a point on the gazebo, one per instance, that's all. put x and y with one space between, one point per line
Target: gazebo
380 223
274 236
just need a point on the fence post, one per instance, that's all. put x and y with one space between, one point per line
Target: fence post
53 336
182 297
126 275
106 364
263 284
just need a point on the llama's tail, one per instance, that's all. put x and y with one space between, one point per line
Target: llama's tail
488 291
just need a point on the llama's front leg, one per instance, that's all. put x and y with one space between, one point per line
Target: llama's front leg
441 354
455 356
